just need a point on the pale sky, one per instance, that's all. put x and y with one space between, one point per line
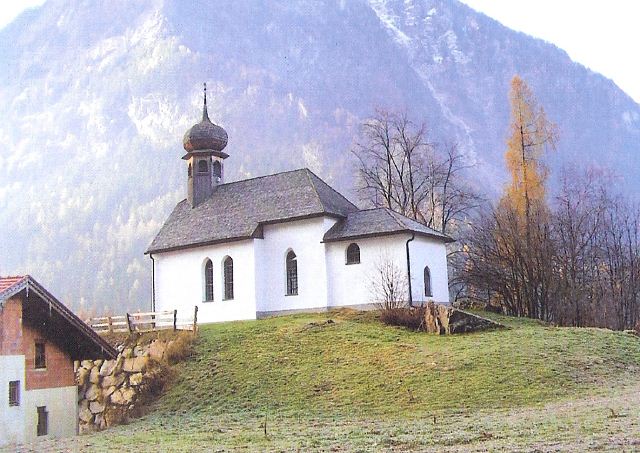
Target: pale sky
9 9
604 36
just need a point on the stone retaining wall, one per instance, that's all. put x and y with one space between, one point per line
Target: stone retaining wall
110 391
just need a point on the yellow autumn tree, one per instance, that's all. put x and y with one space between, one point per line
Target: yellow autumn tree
532 134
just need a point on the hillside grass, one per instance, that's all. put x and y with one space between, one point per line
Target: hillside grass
354 384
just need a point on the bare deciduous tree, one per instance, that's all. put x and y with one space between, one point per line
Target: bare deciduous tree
400 169
388 285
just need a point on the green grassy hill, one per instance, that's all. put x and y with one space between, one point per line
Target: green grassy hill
354 384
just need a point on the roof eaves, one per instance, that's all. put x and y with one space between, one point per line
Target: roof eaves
14 289
443 238
434 233
197 244
30 284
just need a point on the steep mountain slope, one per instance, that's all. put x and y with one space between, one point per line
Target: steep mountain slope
96 96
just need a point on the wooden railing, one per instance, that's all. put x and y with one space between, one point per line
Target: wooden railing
144 322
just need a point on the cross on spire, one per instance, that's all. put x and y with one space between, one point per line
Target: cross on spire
205 114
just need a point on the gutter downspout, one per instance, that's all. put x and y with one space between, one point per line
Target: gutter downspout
413 236
153 283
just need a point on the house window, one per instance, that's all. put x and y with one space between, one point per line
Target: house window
353 254
43 421
427 282
203 167
228 278
208 281
217 170
14 393
41 356
292 274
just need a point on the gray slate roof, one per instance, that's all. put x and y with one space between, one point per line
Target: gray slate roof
237 210
378 222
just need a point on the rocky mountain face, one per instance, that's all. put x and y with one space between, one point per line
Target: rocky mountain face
96 95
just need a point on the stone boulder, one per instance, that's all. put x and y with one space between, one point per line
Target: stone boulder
113 380
81 376
93 392
135 379
463 322
94 375
109 391
444 320
107 367
136 364
124 396
87 364
85 415
95 407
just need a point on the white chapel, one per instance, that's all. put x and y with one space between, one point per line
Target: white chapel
282 242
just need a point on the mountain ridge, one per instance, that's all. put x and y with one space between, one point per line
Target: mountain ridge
97 95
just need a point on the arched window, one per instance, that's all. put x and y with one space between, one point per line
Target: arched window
353 254
217 169
203 167
292 274
227 268
208 280
427 282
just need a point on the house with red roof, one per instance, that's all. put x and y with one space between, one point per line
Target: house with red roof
40 338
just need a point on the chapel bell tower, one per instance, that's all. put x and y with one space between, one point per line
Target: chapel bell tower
204 143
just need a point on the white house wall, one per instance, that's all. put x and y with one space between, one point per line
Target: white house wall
179 282
432 253
304 237
324 279
19 424
354 284
62 408
11 418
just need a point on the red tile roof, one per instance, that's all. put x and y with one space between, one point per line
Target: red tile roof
8 282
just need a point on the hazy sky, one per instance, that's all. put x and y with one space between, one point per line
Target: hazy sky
604 36
9 9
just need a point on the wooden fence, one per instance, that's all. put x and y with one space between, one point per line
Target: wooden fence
144 322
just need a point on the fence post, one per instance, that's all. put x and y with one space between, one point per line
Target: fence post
129 322
195 319
175 320
110 321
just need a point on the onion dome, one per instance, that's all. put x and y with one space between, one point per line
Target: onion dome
205 135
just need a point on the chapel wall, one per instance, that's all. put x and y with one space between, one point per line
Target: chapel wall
179 281
304 237
357 284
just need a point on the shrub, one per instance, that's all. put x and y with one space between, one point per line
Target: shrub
412 318
180 348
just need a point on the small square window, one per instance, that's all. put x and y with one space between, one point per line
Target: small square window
43 421
14 393
41 356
